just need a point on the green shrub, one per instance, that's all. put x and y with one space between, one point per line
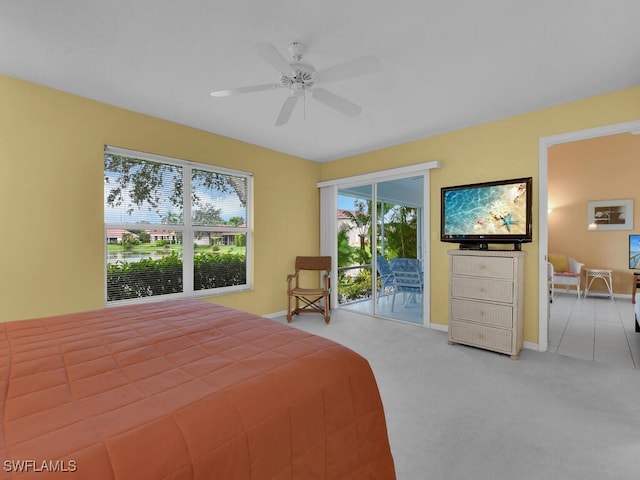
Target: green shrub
145 278
150 277
129 240
355 287
212 270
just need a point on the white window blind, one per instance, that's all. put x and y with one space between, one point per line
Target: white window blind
158 244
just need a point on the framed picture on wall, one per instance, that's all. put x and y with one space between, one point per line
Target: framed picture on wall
610 215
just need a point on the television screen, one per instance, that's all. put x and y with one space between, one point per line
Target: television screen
634 252
490 212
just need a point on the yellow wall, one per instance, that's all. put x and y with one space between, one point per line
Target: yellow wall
52 205
502 149
603 168
51 199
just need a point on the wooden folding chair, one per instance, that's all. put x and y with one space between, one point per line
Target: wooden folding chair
308 299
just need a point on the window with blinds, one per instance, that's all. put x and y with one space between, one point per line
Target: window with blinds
173 227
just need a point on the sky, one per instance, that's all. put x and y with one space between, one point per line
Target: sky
229 204
345 203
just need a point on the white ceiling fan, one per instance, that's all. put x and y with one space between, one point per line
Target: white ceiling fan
300 77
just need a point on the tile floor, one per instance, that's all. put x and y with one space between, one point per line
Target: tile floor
595 328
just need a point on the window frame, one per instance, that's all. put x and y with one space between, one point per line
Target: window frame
187 228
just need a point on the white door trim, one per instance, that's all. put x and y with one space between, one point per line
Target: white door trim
543 225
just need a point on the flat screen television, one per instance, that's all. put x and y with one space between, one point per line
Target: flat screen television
634 251
480 214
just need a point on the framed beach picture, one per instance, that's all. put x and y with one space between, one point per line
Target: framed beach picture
610 215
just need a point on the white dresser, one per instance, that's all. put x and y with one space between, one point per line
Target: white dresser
486 299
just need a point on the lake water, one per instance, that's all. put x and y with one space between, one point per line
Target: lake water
131 257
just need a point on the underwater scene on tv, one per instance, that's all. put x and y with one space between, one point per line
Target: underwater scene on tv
490 210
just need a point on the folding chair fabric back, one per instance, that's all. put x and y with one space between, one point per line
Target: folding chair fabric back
313 263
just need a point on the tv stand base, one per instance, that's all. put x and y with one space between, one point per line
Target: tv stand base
474 246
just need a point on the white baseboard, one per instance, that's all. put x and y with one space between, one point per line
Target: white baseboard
434 326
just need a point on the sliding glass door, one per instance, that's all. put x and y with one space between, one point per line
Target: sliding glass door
354 241
399 249
380 248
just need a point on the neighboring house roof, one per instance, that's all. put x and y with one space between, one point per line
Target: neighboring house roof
345 214
118 232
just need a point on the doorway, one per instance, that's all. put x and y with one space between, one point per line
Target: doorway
544 144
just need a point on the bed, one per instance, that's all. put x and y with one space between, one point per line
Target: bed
185 389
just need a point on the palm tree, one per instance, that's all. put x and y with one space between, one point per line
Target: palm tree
402 233
361 222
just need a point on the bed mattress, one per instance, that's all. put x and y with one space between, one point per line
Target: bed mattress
181 390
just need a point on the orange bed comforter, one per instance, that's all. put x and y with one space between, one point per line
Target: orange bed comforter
185 389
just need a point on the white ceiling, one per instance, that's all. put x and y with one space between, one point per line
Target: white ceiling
447 64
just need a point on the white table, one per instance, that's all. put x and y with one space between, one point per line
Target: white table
606 275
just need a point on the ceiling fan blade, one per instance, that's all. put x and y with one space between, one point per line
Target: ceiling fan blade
273 57
253 88
355 68
286 110
336 102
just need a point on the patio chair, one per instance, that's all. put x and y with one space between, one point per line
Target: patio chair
308 299
408 280
386 277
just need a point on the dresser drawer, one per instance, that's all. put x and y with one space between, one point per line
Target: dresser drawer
494 267
496 339
485 313
482 289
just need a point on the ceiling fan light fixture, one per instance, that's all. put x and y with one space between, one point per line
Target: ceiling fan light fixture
303 74
297 89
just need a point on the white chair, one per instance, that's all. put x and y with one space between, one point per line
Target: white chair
565 271
550 286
